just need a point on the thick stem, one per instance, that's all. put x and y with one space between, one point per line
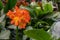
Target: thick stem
22 34
17 36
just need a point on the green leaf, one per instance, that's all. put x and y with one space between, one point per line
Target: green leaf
47 8
42 24
37 10
10 5
31 11
1 5
38 34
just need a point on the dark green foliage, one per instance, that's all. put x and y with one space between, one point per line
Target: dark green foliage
10 5
38 34
1 5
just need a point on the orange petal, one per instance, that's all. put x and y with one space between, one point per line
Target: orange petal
16 8
22 26
10 12
12 22
16 23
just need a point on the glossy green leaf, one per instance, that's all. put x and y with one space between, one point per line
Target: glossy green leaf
38 34
47 8
1 5
10 5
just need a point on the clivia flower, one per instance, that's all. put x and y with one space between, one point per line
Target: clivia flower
19 17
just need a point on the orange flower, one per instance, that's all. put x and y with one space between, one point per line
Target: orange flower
19 17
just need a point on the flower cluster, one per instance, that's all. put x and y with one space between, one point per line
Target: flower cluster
19 17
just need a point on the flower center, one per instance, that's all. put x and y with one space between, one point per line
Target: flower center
16 19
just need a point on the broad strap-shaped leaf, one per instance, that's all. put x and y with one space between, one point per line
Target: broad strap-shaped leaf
38 34
1 5
10 5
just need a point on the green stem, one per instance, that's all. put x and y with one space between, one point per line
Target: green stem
17 33
0 13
